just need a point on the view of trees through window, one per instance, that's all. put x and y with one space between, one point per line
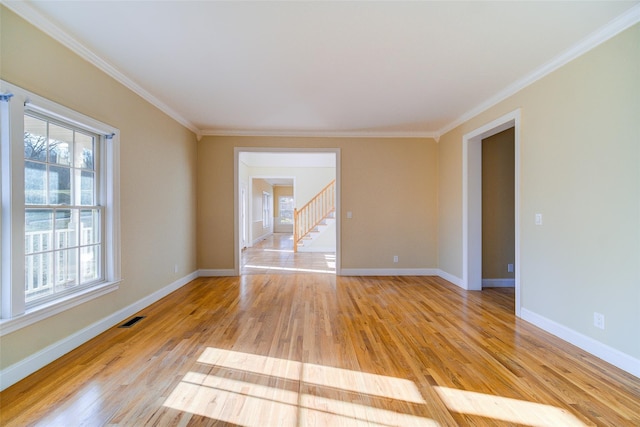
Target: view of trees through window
285 207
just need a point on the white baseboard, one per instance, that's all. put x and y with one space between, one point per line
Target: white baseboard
261 238
20 370
388 272
450 278
216 272
598 349
498 283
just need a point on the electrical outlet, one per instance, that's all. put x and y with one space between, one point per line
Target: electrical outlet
175 268
538 219
395 258
598 320
509 268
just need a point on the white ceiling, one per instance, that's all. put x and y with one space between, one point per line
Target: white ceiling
327 68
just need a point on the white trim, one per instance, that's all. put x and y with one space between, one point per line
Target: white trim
613 28
31 15
261 238
609 354
321 134
44 311
449 277
16 372
498 283
217 272
472 201
389 272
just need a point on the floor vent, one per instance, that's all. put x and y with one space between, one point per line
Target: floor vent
130 323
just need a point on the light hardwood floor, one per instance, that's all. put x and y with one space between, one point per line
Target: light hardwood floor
320 350
274 255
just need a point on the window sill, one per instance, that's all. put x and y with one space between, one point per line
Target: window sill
44 311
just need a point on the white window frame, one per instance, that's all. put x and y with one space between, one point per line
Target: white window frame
14 313
280 198
267 210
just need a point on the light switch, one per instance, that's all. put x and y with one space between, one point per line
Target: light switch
538 219
349 215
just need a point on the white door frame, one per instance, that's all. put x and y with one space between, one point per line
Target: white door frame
472 201
236 184
244 210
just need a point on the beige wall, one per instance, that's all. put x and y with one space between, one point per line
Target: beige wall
389 185
498 208
158 160
580 168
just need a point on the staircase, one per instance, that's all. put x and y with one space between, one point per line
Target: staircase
309 220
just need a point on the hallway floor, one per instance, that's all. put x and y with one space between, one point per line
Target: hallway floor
274 255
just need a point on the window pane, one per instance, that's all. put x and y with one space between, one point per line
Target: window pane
89 262
89 226
84 149
59 185
66 269
66 234
38 230
87 188
60 144
35 139
38 276
35 183
286 209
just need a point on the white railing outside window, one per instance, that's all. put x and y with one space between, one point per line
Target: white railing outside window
40 280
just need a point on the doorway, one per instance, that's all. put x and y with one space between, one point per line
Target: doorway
472 201
243 220
498 228
303 162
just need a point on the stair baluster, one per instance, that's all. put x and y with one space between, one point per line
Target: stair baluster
319 208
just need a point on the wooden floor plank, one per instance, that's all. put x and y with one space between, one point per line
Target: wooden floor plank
315 350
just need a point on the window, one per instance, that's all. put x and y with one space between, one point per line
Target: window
63 248
285 207
60 208
266 210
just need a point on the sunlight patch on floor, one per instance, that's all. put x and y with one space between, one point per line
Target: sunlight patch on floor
506 409
320 375
279 268
253 390
264 406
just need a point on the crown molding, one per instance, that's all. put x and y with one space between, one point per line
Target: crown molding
616 26
319 134
31 15
613 28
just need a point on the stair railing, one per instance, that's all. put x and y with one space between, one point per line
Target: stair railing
308 217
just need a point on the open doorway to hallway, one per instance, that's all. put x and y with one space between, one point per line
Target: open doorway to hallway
268 183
